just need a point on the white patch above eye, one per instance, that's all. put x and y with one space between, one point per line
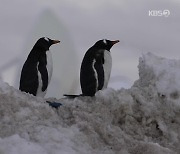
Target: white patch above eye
46 39
105 42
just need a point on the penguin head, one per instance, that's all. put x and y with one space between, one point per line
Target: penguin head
105 44
44 43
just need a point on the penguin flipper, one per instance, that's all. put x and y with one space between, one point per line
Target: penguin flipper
44 73
98 65
100 75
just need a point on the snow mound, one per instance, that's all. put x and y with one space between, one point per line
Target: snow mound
144 119
161 73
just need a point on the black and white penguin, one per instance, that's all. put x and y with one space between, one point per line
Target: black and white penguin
37 69
96 67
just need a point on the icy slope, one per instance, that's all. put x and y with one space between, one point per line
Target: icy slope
142 120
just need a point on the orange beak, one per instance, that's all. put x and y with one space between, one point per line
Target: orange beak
56 41
114 42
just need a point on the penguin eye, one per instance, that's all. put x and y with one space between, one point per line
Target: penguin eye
46 39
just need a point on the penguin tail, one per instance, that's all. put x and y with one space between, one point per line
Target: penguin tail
72 96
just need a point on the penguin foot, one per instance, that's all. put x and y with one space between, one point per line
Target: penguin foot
54 104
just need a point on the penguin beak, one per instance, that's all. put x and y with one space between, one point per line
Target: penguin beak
114 42
55 41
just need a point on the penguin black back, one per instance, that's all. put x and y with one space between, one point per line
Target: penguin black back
34 69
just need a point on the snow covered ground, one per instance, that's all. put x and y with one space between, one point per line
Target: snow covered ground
144 119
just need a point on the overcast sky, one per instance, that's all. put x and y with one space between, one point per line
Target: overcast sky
83 23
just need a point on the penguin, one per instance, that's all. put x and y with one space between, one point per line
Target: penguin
96 68
37 69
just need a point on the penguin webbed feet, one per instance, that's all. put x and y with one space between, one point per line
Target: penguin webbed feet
55 105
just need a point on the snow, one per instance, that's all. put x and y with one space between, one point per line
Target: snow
144 119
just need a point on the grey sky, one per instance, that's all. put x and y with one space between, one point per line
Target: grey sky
88 21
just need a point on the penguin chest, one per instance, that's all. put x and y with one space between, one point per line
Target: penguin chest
49 68
107 67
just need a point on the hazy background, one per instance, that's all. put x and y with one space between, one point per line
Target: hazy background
78 25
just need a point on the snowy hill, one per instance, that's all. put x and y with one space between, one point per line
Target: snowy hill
144 119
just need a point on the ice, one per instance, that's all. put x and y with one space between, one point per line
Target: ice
144 119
